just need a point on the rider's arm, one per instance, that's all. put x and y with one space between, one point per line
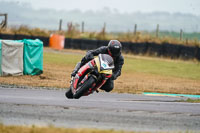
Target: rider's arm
95 52
91 53
118 67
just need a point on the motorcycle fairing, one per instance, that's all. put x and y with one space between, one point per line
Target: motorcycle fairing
84 69
104 63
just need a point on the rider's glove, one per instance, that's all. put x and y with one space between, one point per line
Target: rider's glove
113 77
73 74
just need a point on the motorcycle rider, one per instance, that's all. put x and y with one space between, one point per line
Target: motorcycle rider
114 49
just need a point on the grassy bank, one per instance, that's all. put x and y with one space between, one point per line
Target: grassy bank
51 129
163 67
189 100
139 74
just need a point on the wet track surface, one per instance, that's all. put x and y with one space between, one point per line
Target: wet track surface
102 110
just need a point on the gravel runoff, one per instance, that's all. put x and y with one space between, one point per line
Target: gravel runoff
105 111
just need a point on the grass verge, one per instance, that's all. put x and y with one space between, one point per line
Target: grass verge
189 100
139 74
51 129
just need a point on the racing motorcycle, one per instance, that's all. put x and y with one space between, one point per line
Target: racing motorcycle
91 76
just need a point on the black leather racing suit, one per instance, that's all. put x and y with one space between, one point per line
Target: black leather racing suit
118 62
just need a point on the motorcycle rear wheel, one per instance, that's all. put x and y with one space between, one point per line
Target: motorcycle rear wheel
85 87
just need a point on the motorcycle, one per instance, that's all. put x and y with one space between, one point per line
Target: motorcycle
91 76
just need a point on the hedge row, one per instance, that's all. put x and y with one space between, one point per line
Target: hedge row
162 50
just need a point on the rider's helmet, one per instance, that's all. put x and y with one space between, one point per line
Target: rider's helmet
114 48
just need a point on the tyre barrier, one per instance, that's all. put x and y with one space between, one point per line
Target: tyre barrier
102 43
138 48
88 44
67 43
7 37
126 47
187 52
198 53
45 40
155 49
75 43
172 51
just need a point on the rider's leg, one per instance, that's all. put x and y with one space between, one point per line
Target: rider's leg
108 86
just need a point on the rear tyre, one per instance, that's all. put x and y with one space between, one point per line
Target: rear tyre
85 87
69 94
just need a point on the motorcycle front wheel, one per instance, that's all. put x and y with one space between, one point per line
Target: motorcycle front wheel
69 94
84 88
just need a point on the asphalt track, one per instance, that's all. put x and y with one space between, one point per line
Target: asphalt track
103 110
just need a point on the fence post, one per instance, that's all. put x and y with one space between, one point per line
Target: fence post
157 31
82 27
5 22
181 34
104 26
60 25
104 29
135 29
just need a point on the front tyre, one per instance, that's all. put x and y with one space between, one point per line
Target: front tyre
69 94
85 87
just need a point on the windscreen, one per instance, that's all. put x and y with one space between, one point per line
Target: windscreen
106 62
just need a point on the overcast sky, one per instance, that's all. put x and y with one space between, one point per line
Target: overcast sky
171 6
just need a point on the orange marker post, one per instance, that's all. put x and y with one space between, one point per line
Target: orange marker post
57 41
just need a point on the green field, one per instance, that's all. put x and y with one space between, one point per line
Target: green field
61 58
162 67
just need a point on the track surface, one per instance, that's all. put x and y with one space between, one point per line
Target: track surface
102 110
